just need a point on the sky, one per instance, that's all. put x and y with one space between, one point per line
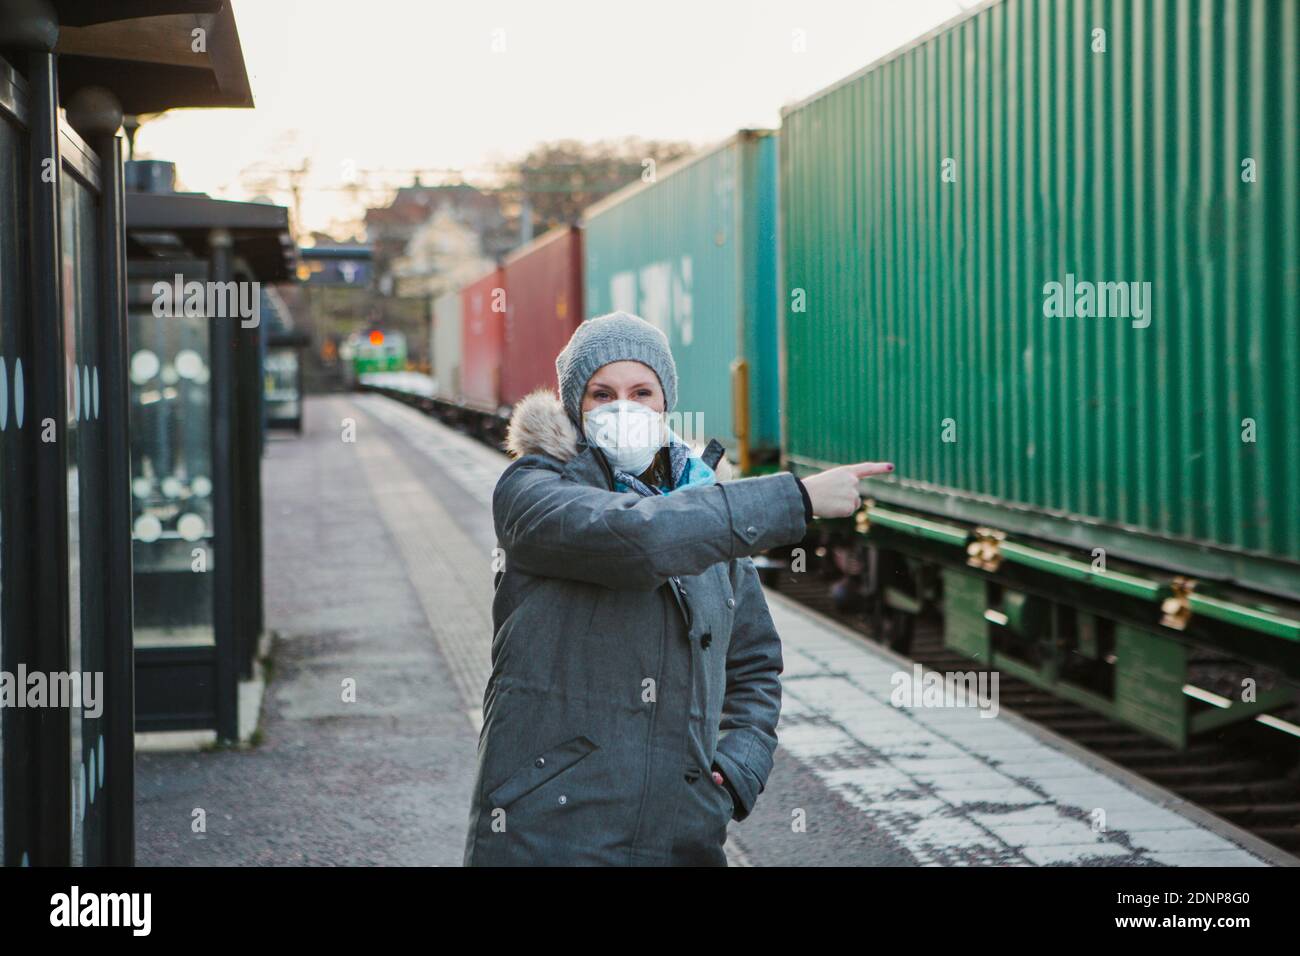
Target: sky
364 94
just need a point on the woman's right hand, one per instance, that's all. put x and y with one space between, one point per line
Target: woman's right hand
834 492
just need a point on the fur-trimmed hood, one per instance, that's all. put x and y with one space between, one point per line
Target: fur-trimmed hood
539 424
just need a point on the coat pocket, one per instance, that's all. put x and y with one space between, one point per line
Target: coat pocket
729 804
541 768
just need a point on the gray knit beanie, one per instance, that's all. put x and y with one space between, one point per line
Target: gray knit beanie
616 337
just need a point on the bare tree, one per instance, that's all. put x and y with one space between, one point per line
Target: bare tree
559 179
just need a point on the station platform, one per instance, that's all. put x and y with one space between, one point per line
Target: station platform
378 581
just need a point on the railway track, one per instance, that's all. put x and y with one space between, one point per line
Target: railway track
1248 775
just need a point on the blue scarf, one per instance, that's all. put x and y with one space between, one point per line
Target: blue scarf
687 470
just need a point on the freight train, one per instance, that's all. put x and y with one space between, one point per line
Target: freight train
1100 497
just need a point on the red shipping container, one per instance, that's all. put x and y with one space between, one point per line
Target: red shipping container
543 307
482 335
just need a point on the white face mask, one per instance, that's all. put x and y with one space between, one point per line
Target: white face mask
629 433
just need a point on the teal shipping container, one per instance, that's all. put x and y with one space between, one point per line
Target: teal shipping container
1045 260
694 252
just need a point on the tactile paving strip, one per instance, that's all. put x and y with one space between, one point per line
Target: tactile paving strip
451 575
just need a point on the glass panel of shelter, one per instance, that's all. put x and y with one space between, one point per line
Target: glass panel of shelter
171 458
79 237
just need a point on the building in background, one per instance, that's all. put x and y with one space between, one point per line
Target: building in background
432 239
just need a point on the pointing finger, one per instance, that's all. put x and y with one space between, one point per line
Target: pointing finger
865 469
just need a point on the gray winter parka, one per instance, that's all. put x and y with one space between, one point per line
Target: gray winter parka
633 650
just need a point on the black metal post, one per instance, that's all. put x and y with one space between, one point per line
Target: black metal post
245 429
52 838
225 539
18 504
256 417
119 677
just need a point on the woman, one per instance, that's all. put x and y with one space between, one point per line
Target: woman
632 707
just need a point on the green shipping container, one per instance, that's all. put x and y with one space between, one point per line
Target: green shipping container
957 220
694 252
